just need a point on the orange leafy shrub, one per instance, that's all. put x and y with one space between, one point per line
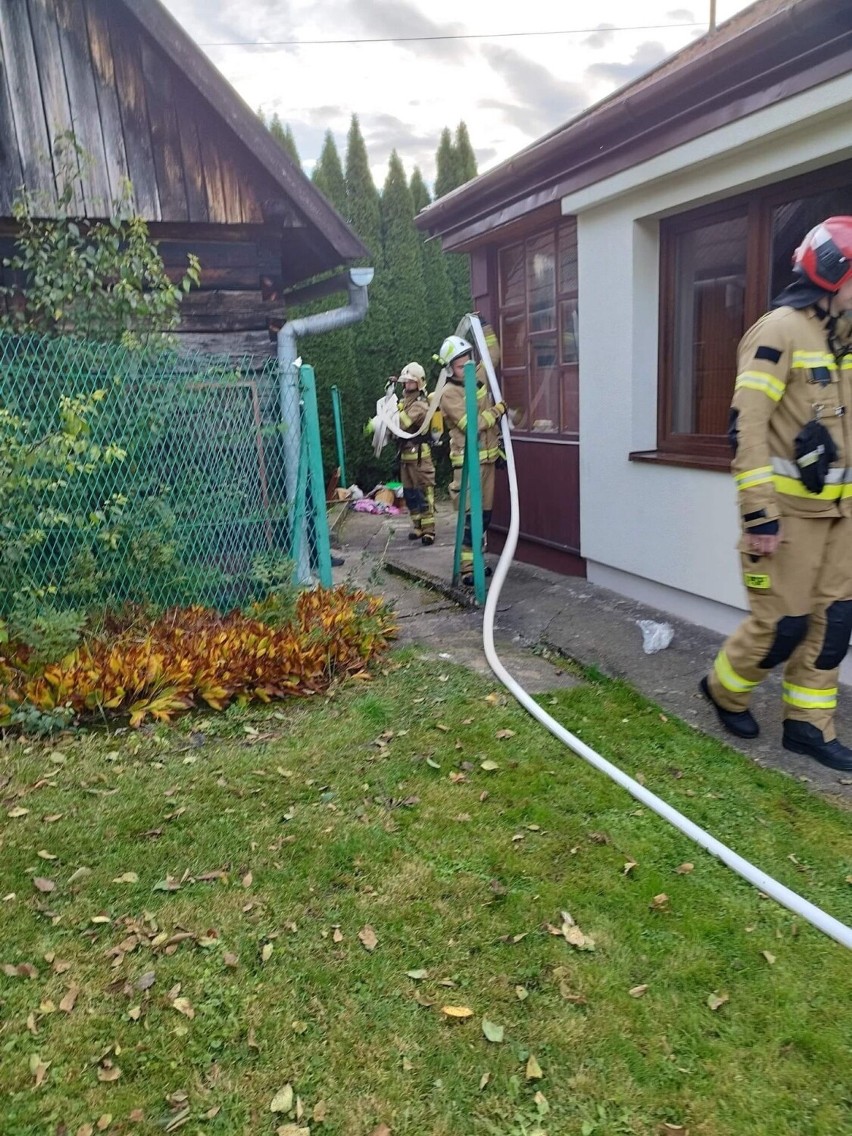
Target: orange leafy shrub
189 656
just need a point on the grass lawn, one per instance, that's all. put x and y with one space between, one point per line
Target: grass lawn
275 907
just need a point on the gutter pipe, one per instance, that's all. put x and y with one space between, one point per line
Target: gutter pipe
288 387
759 879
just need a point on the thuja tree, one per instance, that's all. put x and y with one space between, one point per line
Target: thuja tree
456 164
373 337
333 355
436 277
406 301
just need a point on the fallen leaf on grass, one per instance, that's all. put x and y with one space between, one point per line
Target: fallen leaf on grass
292 1130
266 952
21 970
533 1071
489 766
501 734
667 1129
39 1069
184 1006
492 1031
67 1003
136 1116
714 1001
684 869
483 1080
283 1100
230 959
381 1130
146 981
660 902
247 880
638 991
459 1013
80 874
104 1122
18 811
368 938
521 993
417 974
43 885
337 935
770 958
628 867
108 1072
45 855
320 1112
126 878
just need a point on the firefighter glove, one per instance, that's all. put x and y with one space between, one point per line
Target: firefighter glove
815 452
499 410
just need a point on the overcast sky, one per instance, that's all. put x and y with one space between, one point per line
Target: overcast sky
510 88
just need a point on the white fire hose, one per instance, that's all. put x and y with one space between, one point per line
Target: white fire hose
769 886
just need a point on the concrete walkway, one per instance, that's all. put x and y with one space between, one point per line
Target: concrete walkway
565 616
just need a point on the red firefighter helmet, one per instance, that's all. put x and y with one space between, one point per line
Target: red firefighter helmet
825 255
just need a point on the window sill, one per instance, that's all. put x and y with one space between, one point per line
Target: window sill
717 463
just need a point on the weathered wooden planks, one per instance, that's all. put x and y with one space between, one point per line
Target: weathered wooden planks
33 140
11 174
103 77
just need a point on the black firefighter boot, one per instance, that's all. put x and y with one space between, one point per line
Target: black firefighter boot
739 722
802 737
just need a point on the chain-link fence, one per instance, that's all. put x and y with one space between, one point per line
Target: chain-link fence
130 476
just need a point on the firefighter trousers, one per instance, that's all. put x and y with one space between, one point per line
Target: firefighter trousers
801 617
486 476
418 490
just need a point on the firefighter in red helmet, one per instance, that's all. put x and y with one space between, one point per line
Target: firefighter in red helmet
791 433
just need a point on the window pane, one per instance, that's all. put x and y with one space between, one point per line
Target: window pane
568 257
791 221
709 321
515 391
511 276
544 386
570 329
513 340
541 283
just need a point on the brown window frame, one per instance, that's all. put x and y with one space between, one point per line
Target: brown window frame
557 230
711 451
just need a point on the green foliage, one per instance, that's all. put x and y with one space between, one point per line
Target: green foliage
465 157
440 310
447 174
328 174
456 164
283 135
101 280
406 302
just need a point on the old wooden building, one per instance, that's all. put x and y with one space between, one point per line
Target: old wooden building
147 105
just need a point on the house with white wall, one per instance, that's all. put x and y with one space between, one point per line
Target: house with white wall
620 259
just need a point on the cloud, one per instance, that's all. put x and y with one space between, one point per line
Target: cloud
388 19
233 21
602 36
681 15
646 56
541 100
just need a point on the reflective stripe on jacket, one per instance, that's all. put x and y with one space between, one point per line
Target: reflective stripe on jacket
787 376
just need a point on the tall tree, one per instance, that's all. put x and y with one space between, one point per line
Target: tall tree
436 277
446 173
404 285
465 157
328 174
372 335
449 175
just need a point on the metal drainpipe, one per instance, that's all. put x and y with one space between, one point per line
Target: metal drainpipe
288 385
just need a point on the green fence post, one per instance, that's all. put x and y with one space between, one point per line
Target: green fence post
316 483
471 459
460 523
339 437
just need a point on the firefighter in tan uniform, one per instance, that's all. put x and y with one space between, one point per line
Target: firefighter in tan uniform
792 435
417 472
454 354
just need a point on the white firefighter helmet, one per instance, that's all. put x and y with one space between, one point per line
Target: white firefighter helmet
413 372
454 347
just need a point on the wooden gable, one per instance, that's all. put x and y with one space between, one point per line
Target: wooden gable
146 104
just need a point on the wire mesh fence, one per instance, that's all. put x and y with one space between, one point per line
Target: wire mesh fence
130 476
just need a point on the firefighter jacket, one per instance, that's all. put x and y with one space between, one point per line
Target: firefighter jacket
452 407
412 413
790 373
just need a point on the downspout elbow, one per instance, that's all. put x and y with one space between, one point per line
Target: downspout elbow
322 322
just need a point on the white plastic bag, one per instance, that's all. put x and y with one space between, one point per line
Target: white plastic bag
655 636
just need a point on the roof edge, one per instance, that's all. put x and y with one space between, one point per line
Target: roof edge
590 137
